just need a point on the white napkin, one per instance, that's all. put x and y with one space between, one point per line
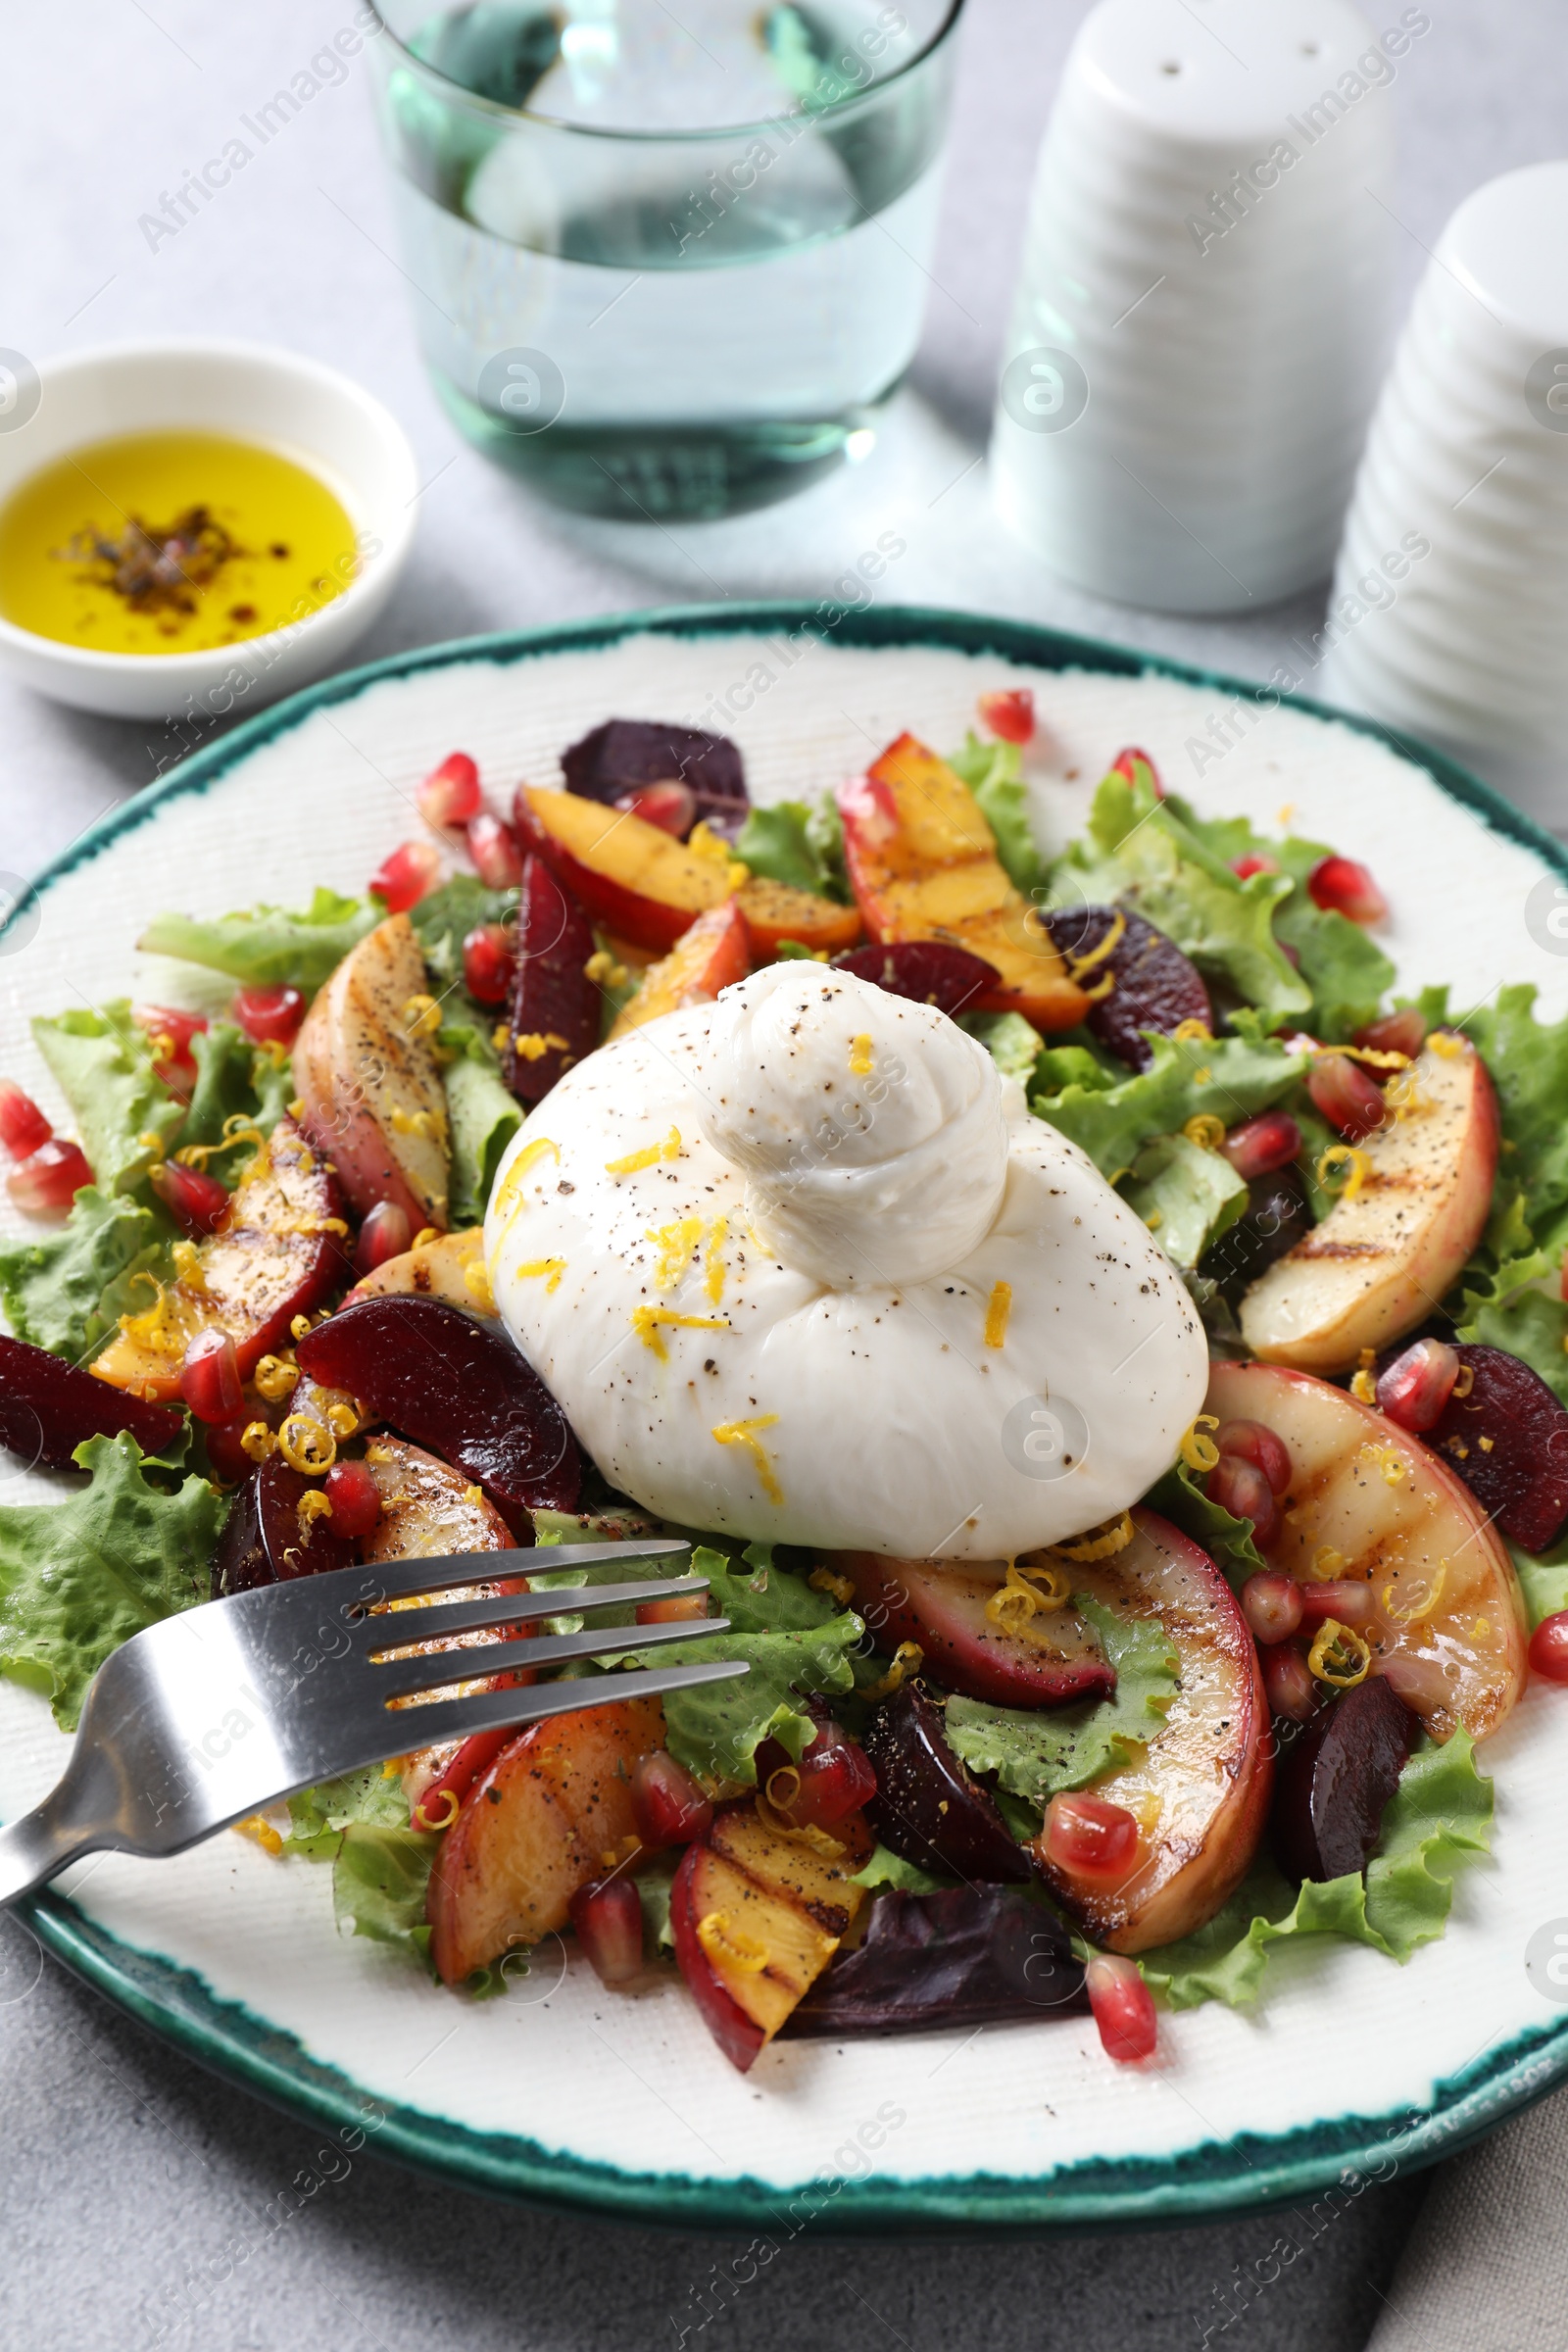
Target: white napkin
1486 2269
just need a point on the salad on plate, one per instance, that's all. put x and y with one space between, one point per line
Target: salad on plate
1107 1355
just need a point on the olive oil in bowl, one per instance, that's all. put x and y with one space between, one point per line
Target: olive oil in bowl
171 543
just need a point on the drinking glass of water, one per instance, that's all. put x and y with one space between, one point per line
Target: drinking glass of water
668 262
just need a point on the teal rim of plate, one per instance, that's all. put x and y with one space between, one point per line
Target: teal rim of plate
1250 2171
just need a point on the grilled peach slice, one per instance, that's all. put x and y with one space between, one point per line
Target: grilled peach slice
776 910
369 1082
1370 1504
1199 1791
430 1511
1397 1240
941 1605
553 1812
713 952
450 1267
634 876
922 862
756 1917
279 1256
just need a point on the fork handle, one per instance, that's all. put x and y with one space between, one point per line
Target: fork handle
33 1848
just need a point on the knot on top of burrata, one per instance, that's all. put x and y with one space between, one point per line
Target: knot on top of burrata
872 1131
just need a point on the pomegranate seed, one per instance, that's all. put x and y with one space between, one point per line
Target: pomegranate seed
384 1234
674 1611
48 1179
208 1378
176 1065
197 1202
1261 1145
670 805
1272 1606
450 793
1136 767
1341 887
489 963
1241 1487
1257 1442
271 1017
1351 1603
1417 1385
609 1920
407 875
1244 868
22 1125
1346 1096
666 1804
1123 2007
1548 1649
1009 712
225 1453
1089 1838
355 1496
1403 1032
496 851
833 1776
1288 1683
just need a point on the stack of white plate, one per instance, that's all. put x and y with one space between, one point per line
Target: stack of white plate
1202 315
1466 475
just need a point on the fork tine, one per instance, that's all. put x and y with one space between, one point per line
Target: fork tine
494 1710
401 1676
399 1628
400 1578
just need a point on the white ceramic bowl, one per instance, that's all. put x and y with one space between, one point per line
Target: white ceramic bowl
253 392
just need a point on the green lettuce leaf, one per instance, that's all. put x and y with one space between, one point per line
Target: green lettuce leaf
1138 852
1185 1195
234 1079
1528 1060
101 1064
1440 1813
769 1599
715 1729
268 947
371 1796
1013 1045
482 1114
380 1876
654 1884
791 843
54 1291
993 773
888 1869
1229 1077
1543 1580
1226 1540
444 918
79 1576
1035 1751
1530 1325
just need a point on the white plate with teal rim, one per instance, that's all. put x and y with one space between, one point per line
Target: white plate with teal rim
561 2092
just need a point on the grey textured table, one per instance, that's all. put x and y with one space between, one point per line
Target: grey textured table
125 2168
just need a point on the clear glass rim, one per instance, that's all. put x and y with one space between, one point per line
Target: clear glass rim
757 127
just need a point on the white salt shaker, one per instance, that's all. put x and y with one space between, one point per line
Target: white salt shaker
1204 309
1450 609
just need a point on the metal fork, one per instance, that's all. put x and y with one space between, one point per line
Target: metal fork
202 1719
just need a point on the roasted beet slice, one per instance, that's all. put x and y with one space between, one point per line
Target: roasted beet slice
1155 986
1508 1439
927 969
1276 1217
457 1386
552 1019
47 1407
626 752
969 1956
262 1541
1334 1783
928 1807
